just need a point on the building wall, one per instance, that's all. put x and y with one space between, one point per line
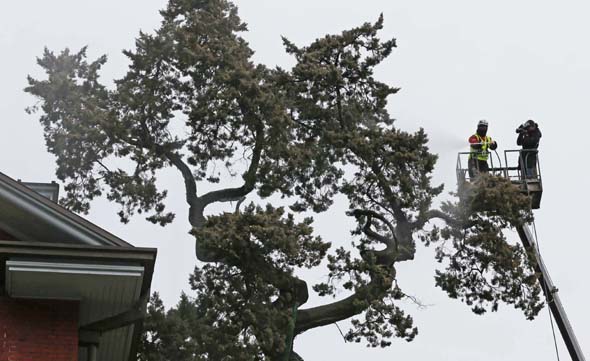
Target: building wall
35 330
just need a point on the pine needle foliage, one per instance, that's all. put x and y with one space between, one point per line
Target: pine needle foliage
193 100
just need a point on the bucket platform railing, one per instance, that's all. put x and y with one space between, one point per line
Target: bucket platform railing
521 167
524 170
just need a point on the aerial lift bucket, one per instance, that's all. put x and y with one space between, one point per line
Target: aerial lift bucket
523 171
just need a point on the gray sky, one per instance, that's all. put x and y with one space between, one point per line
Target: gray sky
456 62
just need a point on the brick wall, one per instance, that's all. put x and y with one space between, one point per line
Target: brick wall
33 330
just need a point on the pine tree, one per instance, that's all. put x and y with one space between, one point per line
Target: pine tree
309 134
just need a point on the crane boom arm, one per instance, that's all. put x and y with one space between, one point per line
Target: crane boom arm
552 296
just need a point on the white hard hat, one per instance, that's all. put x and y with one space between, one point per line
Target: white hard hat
483 122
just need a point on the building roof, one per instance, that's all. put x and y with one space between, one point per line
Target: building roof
21 207
49 252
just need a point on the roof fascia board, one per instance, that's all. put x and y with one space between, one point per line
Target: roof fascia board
74 268
31 249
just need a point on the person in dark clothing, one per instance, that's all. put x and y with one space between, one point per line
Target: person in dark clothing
529 136
480 144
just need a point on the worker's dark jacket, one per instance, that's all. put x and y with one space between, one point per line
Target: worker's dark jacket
530 141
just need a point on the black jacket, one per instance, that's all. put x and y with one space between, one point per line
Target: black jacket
529 140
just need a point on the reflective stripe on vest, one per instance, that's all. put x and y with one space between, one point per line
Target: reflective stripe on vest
481 154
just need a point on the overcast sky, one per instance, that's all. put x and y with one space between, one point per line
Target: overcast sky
456 62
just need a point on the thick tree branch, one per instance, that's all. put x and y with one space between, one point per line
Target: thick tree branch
438 214
376 289
328 314
190 184
373 214
435 213
235 194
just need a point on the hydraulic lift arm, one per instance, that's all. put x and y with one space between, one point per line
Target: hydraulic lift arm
552 296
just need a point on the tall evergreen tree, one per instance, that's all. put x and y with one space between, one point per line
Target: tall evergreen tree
309 134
